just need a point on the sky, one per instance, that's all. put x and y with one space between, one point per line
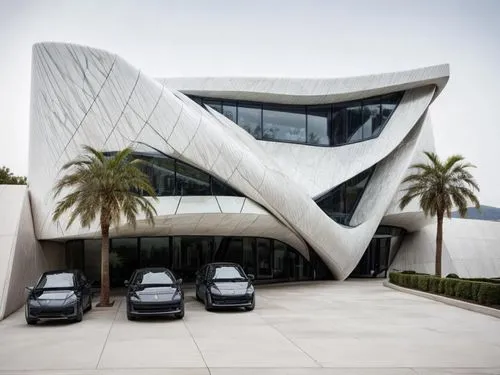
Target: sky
276 39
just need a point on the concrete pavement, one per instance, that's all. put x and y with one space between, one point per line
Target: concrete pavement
354 327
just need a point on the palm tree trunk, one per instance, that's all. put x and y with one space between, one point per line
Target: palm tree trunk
439 243
104 297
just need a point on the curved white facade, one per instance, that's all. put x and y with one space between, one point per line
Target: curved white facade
87 96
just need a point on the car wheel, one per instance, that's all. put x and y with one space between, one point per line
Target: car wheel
252 306
31 322
79 314
208 302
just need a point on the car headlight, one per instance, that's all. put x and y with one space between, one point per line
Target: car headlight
134 297
250 289
176 296
215 290
71 299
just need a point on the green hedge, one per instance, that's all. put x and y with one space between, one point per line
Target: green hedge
482 291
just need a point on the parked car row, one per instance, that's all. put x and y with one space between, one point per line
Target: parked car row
150 292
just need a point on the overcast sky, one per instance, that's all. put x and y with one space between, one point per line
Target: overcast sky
276 38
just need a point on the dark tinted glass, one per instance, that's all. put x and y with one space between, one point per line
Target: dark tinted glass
371 117
317 125
229 110
215 104
57 280
191 181
342 123
155 252
339 125
226 272
161 173
354 129
250 119
284 124
340 203
218 188
153 277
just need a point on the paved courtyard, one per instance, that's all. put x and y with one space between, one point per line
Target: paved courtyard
355 327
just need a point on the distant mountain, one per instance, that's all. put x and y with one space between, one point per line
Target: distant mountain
486 213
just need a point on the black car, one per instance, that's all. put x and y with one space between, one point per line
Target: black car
154 292
63 294
225 285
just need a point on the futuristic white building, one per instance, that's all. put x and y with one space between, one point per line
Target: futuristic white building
293 178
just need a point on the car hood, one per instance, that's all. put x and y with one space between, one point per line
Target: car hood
156 294
232 287
53 295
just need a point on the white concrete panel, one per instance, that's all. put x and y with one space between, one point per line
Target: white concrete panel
230 205
470 248
189 205
281 179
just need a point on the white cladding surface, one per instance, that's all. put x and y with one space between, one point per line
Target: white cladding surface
82 95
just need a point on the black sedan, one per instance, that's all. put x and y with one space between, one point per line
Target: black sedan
154 292
59 295
225 285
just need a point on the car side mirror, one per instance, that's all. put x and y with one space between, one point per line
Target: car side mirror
179 281
126 283
251 277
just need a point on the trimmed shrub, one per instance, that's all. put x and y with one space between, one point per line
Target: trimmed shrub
452 276
441 286
484 280
434 284
489 294
485 293
423 283
474 290
408 272
449 287
464 290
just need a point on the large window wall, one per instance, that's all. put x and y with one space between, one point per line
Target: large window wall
169 177
340 202
322 125
267 259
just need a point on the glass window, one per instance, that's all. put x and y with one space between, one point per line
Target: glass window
92 260
371 117
223 272
354 190
339 125
215 104
284 124
317 125
153 277
354 122
249 256
74 255
191 181
218 188
155 252
229 110
123 259
250 119
190 253
264 258
160 171
388 105
56 280
281 267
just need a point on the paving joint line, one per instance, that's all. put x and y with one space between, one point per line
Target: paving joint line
109 332
197 347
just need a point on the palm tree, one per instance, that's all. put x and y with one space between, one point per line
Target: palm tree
105 187
441 186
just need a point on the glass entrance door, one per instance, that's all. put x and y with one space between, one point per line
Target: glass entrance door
264 259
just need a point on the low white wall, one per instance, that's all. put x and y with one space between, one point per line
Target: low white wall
22 257
471 248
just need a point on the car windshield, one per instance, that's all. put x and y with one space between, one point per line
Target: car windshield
56 280
227 273
154 278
